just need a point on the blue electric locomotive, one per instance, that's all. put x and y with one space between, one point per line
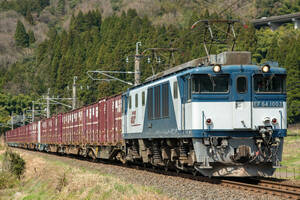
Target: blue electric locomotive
225 117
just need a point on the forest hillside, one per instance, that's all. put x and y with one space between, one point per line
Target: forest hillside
44 43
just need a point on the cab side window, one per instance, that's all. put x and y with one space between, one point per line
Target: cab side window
241 84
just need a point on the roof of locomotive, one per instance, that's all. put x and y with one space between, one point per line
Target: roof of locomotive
226 69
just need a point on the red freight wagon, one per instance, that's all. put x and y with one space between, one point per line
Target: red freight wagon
44 131
77 126
80 129
20 134
88 125
26 139
16 135
94 121
57 129
65 128
71 128
88 116
111 120
118 118
102 121
49 131
29 133
114 113
25 129
96 124
7 136
34 132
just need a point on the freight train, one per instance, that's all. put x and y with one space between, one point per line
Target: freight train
222 119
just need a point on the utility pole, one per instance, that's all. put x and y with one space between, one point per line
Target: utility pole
48 103
24 117
12 121
74 93
137 58
32 111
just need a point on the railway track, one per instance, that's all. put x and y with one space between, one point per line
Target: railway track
286 191
275 188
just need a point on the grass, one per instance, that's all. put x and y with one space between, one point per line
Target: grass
50 178
291 154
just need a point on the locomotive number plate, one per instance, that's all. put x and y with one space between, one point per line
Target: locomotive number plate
259 104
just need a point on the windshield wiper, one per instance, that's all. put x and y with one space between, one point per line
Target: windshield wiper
269 81
212 81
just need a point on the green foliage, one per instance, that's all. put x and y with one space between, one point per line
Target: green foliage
21 37
13 104
24 6
73 3
61 7
93 43
7 180
31 37
268 8
13 163
283 46
29 17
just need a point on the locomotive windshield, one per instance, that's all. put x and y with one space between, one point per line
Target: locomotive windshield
270 84
206 83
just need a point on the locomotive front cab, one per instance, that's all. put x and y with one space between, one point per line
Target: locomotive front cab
240 114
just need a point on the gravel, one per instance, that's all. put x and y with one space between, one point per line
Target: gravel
174 187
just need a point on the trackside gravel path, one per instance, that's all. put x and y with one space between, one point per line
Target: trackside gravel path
173 187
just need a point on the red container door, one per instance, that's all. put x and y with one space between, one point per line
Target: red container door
59 131
97 124
75 127
35 132
72 128
103 119
64 124
81 125
27 134
118 119
68 128
95 131
85 120
49 131
110 120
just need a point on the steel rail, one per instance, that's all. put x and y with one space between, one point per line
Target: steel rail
267 188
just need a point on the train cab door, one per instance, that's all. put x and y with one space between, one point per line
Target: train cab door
124 113
242 106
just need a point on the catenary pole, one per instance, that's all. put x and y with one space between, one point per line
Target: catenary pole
48 103
32 111
74 93
137 74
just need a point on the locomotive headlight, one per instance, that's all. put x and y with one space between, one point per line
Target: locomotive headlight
217 68
266 120
265 68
